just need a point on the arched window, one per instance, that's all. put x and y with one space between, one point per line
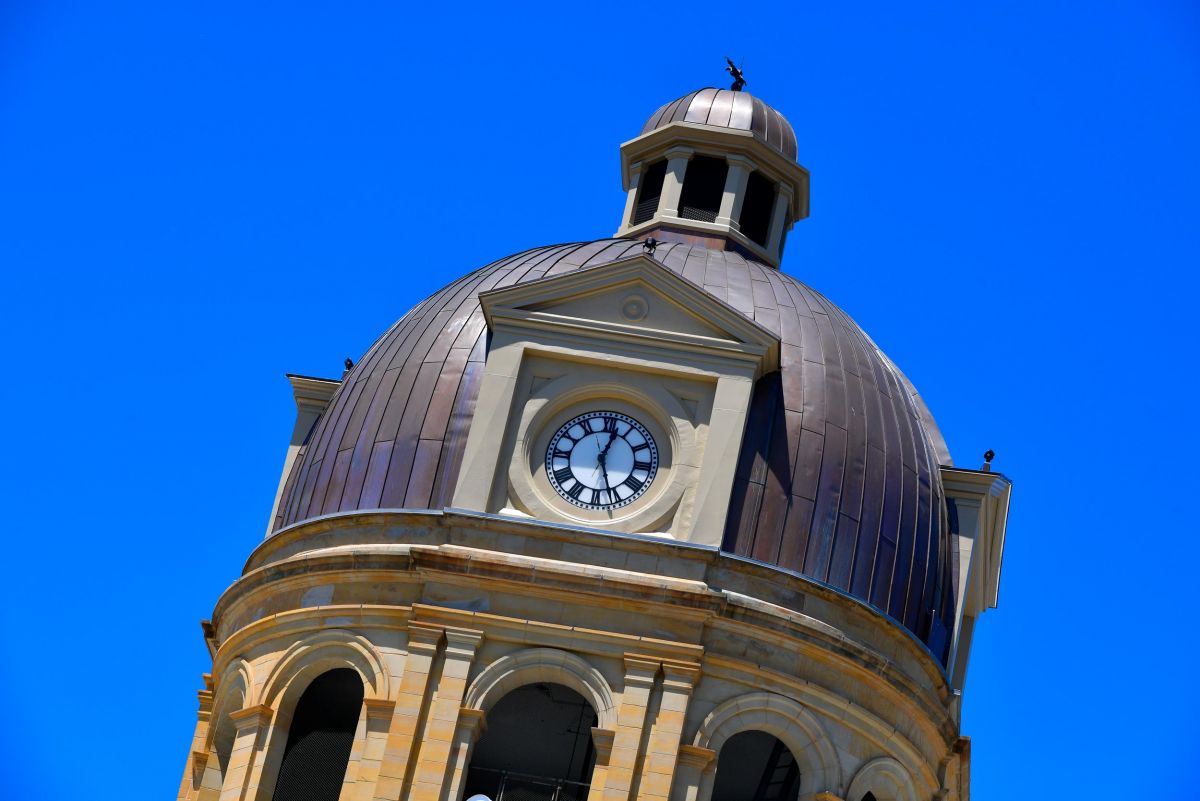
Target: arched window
649 191
756 766
703 186
757 206
320 737
537 747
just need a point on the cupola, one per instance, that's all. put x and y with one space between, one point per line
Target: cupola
716 167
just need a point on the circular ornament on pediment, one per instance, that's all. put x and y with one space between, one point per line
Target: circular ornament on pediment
634 308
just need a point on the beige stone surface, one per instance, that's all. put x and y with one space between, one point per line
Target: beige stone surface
676 647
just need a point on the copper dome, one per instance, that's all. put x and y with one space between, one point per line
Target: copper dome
724 108
838 477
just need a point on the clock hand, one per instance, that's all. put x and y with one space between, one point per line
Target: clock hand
604 466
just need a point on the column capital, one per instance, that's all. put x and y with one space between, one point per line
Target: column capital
462 643
680 676
379 708
640 669
258 716
602 741
693 756
738 160
472 722
423 637
199 763
679 152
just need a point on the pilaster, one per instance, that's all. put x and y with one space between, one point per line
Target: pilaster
369 750
635 180
399 748
251 726
640 673
602 743
472 724
779 221
662 748
692 764
677 161
438 735
736 178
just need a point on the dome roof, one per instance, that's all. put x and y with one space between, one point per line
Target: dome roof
838 477
724 108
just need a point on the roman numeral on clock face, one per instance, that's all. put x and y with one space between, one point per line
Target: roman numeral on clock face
634 483
640 465
563 474
576 490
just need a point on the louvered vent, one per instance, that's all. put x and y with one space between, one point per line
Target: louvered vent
649 191
703 185
320 737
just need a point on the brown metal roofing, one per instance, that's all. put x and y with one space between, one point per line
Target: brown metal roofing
838 477
724 108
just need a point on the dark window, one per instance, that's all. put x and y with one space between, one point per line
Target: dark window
755 221
320 737
703 185
537 747
756 766
649 191
869 797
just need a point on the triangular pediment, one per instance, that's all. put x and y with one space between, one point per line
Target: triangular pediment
639 297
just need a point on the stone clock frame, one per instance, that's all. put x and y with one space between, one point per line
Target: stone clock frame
630 336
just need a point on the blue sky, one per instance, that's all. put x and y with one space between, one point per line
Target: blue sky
196 198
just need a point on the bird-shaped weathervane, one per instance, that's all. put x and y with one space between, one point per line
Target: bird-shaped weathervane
735 72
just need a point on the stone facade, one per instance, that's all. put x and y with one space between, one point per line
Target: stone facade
676 647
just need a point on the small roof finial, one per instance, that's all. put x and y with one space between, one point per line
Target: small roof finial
987 460
649 245
735 72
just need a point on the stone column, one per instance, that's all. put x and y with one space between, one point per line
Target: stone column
740 168
663 746
471 726
438 737
677 160
199 766
368 754
399 748
693 764
635 179
251 727
602 743
631 719
783 199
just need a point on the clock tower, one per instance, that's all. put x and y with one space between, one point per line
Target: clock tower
637 519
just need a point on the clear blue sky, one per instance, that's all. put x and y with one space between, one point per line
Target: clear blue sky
198 197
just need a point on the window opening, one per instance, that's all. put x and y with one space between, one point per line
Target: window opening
756 766
755 221
537 747
649 191
320 737
703 186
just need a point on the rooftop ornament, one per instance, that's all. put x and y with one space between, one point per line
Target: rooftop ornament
735 72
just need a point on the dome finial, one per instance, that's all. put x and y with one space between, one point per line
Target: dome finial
735 72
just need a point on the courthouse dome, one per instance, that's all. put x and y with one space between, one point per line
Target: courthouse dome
838 476
725 108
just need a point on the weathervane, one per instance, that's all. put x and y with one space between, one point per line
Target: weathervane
736 73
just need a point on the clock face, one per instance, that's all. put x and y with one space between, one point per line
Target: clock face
601 460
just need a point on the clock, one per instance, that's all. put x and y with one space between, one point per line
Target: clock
601 460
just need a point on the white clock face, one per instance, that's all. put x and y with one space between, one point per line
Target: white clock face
601 460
